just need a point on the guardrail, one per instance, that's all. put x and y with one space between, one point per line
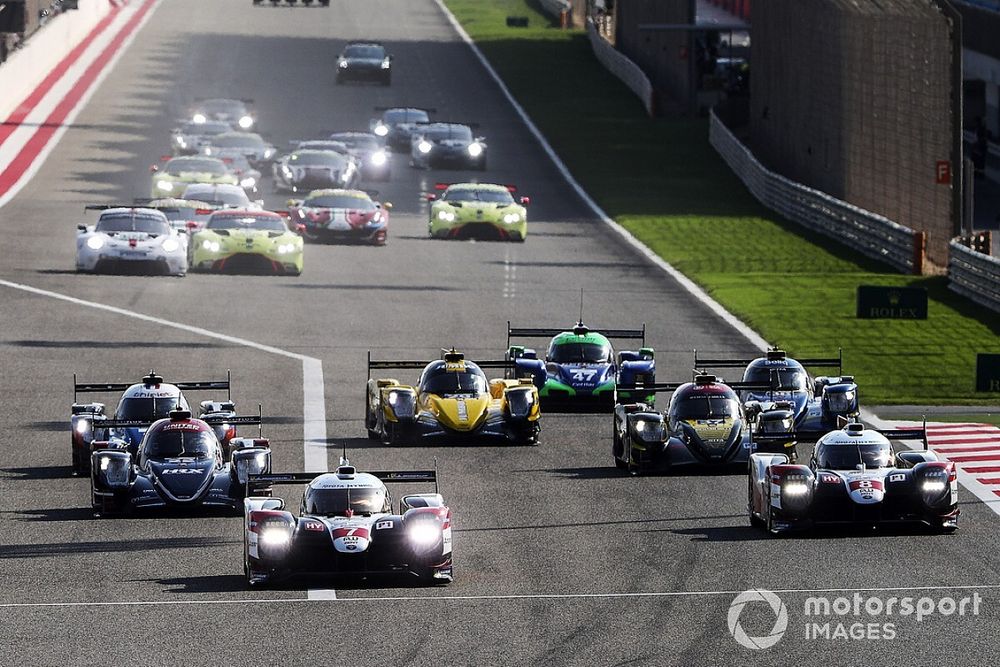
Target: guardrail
621 66
559 9
974 275
868 233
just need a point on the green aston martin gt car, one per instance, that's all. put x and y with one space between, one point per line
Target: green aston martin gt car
177 173
246 241
478 210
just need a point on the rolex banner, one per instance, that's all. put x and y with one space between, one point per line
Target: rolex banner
894 303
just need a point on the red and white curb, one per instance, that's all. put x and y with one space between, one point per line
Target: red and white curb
34 128
975 451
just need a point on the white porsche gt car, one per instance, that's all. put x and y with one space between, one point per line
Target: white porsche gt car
131 240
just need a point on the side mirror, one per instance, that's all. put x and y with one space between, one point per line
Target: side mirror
387 205
153 168
81 228
525 201
192 225
432 197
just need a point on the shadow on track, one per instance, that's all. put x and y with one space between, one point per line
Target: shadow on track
216 583
49 549
39 472
589 524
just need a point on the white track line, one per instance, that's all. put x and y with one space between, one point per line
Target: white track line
313 398
638 245
501 598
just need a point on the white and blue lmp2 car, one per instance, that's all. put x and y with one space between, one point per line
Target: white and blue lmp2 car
127 239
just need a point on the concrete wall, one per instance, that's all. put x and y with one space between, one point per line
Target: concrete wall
853 97
665 56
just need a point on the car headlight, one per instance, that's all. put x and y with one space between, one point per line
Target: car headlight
268 152
385 63
379 158
82 426
171 245
164 185
208 150
381 129
181 142
342 64
209 245
286 171
794 489
446 216
286 248
933 486
475 149
246 122
199 118
424 534
511 218
95 242
253 465
248 182
275 537
425 146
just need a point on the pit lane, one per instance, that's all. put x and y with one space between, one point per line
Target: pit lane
557 519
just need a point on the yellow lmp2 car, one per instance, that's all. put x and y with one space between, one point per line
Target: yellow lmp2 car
177 173
452 402
246 241
478 210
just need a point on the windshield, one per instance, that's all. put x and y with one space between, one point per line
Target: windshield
705 407
581 353
337 146
367 51
488 196
341 201
233 196
405 116
849 457
209 128
180 443
334 502
262 223
123 222
359 141
202 165
317 158
238 141
457 132
184 213
788 379
454 382
149 409
230 107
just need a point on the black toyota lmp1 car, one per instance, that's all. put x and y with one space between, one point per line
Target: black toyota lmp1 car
705 424
854 477
435 145
346 526
181 465
364 61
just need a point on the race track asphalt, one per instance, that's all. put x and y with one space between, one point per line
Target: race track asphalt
552 543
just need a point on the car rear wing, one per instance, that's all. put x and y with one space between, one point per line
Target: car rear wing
144 202
912 433
238 420
152 378
386 476
660 387
472 126
133 206
411 364
773 354
424 109
536 332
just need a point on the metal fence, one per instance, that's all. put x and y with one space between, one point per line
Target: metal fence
872 235
974 275
621 66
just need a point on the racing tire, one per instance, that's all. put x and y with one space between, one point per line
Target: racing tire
755 521
768 522
620 464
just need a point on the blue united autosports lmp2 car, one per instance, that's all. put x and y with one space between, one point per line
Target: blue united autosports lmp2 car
793 400
580 370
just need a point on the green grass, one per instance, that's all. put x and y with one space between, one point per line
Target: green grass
664 183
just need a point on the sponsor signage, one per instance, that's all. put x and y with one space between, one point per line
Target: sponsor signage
988 372
892 303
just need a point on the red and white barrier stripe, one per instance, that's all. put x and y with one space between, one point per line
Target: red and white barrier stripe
34 128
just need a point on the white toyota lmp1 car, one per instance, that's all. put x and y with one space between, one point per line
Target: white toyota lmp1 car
346 526
131 240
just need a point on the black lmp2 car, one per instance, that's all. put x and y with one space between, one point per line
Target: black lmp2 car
705 424
364 61
436 145
396 125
